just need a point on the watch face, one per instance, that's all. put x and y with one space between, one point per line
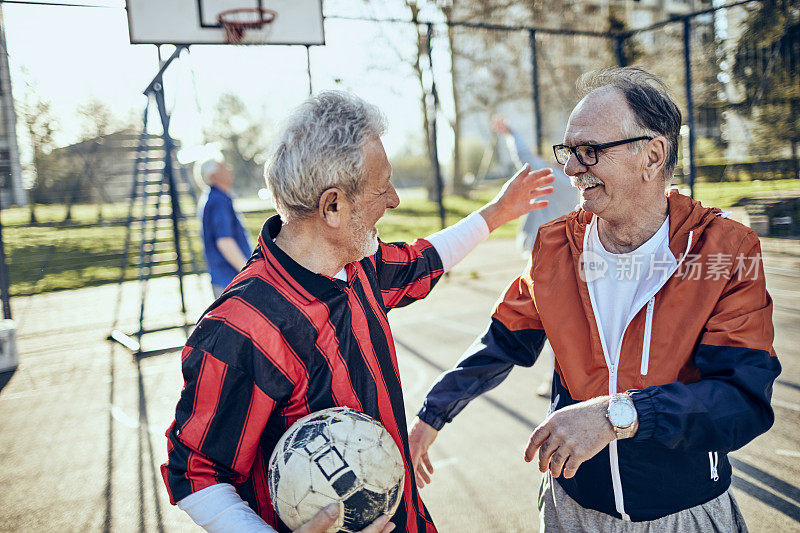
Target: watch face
621 414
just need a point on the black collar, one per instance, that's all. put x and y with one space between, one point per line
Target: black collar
320 286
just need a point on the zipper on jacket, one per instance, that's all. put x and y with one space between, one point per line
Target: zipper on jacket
616 479
648 329
713 460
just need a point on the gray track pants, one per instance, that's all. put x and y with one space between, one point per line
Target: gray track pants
559 513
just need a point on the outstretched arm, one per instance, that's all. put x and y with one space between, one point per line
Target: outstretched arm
408 272
520 194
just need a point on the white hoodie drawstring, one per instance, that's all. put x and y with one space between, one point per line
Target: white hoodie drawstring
713 460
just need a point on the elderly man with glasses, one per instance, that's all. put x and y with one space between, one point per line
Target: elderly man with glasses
657 311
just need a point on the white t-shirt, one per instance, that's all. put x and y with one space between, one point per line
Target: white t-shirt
623 288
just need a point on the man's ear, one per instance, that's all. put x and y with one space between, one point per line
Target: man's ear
330 207
655 157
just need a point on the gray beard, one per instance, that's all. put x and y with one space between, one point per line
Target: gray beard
365 241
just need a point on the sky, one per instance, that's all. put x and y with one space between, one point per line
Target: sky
73 54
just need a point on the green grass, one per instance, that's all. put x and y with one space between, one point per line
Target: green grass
726 194
53 256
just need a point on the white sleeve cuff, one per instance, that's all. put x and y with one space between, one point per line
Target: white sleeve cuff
455 242
220 509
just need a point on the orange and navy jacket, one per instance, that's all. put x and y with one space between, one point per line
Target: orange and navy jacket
697 359
280 343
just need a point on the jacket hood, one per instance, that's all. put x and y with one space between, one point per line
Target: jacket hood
686 216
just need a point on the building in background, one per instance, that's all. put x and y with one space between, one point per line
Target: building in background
497 66
11 189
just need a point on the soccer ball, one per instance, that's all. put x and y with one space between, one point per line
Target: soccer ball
336 455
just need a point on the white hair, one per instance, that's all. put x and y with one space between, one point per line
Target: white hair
207 168
321 146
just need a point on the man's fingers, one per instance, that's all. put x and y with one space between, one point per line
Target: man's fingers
571 467
427 462
545 179
545 451
539 173
524 171
321 521
381 525
557 461
544 191
423 475
536 439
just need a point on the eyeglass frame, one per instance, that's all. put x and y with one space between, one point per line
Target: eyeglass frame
595 147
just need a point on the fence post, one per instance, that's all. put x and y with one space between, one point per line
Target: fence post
537 111
687 59
4 282
620 49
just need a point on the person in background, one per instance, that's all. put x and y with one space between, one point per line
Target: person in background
563 200
226 244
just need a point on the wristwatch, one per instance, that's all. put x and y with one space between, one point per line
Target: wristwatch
621 413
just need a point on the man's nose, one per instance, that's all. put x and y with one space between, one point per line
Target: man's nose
573 167
393 199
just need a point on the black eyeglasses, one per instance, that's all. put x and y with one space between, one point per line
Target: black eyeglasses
587 153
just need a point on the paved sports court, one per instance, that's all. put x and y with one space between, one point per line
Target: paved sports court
83 422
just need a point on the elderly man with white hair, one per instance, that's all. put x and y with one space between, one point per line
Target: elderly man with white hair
657 311
225 241
304 326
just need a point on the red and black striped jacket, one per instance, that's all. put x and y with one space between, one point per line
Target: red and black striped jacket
282 342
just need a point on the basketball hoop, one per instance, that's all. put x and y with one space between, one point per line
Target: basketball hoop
237 22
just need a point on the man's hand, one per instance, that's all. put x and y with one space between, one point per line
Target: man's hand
518 196
326 517
420 438
570 436
230 251
500 125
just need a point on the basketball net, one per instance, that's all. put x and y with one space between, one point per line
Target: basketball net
237 22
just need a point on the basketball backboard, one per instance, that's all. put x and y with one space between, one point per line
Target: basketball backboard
195 21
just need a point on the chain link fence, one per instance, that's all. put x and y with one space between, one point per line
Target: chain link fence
738 146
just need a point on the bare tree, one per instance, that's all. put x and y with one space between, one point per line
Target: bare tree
41 127
93 163
243 137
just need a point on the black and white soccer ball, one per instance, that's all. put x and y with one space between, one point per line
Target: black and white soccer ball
336 455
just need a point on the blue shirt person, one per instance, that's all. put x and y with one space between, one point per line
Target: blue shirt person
225 241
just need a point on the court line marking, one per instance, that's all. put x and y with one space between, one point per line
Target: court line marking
786 405
787 453
442 463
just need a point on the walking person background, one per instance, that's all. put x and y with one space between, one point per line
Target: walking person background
226 244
